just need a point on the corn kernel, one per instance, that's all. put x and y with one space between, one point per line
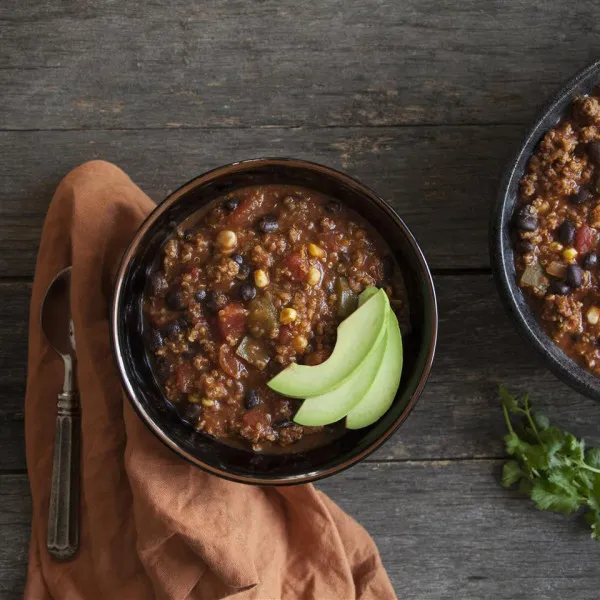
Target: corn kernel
593 315
555 247
299 342
261 278
193 399
316 251
314 276
287 315
226 240
569 253
207 402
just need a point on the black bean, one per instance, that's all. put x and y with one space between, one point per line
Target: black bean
251 399
333 206
162 368
284 423
566 232
525 221
158 284
231 204
593 150
238 258
216 301
200 295
176 300
247 292
243 272
156 340
582 196
268 224
191 414
560 288
525 246
173 329
590 260
574 276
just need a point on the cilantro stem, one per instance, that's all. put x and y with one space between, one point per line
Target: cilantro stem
588 468
507 419
527 412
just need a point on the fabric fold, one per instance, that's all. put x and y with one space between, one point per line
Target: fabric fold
152 525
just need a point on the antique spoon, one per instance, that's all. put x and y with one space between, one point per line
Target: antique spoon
63 516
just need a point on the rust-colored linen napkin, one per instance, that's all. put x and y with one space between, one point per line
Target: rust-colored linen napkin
153 526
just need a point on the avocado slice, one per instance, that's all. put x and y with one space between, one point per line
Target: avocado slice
366 294
383 390
357 337
336 404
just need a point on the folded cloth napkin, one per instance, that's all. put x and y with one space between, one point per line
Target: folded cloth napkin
152 525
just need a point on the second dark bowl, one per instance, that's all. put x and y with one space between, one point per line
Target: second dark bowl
127 323
501 250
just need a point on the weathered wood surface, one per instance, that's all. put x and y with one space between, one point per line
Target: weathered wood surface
424 100
90 64
458 415
445 530
442 180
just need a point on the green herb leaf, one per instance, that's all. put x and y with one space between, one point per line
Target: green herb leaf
548 496
508 400
511 473
550 465
514 444
592 457
541 421
593 519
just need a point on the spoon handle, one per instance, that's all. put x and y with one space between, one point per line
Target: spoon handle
63 517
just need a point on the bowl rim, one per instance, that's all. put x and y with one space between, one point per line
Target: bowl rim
500 247
241 165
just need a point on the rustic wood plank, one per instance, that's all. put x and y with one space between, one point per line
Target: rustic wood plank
15 519
445 530
107 64
441 180
458 415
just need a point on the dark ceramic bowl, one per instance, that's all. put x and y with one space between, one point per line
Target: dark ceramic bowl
145 395
501 250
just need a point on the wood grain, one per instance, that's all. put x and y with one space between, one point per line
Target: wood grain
15 519
442 180
458 415
445 530
106 64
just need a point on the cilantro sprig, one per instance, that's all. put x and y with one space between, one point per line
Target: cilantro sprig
549 465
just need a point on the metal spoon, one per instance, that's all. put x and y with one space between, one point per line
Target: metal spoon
63 516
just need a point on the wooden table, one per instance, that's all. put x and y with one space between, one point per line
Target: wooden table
424 100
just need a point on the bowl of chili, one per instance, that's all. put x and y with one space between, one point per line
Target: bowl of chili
544 234
208 302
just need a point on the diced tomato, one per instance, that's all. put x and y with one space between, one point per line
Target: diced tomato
297 265
185 377
232 322
230 363
584 239
285 335
251 209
